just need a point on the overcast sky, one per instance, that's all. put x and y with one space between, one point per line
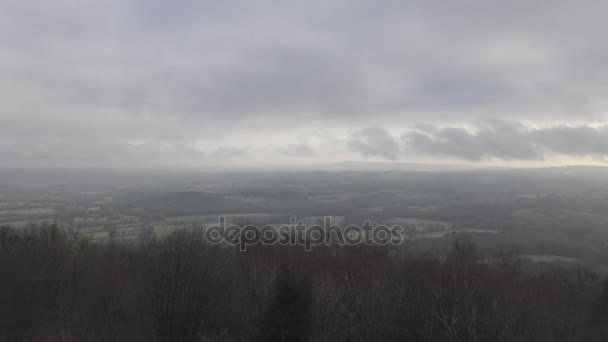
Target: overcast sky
243 83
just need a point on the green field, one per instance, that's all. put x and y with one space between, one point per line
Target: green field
480 231
420 225
211 219
310 220
29 211
549 258
23 223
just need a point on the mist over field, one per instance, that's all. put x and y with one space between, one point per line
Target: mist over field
303 171
127 252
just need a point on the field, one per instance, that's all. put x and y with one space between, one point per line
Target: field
547 258
214 219
420 225
544 215
29 211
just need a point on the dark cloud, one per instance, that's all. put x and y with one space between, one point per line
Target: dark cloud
374 141
493 140
508 141
577 141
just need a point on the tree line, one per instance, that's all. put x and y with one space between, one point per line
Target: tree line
60 287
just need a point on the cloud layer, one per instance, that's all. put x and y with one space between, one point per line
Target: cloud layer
485 141
374 141
507 141
135 82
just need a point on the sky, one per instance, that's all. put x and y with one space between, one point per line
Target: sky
197 83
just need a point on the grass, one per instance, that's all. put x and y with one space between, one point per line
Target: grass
431 235
161 230
214 218
310 220
23 223
420 225
481 231
29 211
549 258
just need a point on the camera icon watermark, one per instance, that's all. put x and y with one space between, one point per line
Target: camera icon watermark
298 233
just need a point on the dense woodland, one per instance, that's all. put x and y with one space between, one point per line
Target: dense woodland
60 287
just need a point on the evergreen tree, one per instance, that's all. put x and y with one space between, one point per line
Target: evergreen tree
288 317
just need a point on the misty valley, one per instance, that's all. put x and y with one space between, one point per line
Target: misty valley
547 214
487 255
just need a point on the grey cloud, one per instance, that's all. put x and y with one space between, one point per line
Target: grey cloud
229 153
580 140
172 73
67 152
297 150
374 141
504 142
217 61
507 141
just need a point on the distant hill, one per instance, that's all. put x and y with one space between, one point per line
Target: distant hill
388 166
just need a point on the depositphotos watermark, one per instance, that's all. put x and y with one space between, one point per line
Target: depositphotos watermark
298 233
